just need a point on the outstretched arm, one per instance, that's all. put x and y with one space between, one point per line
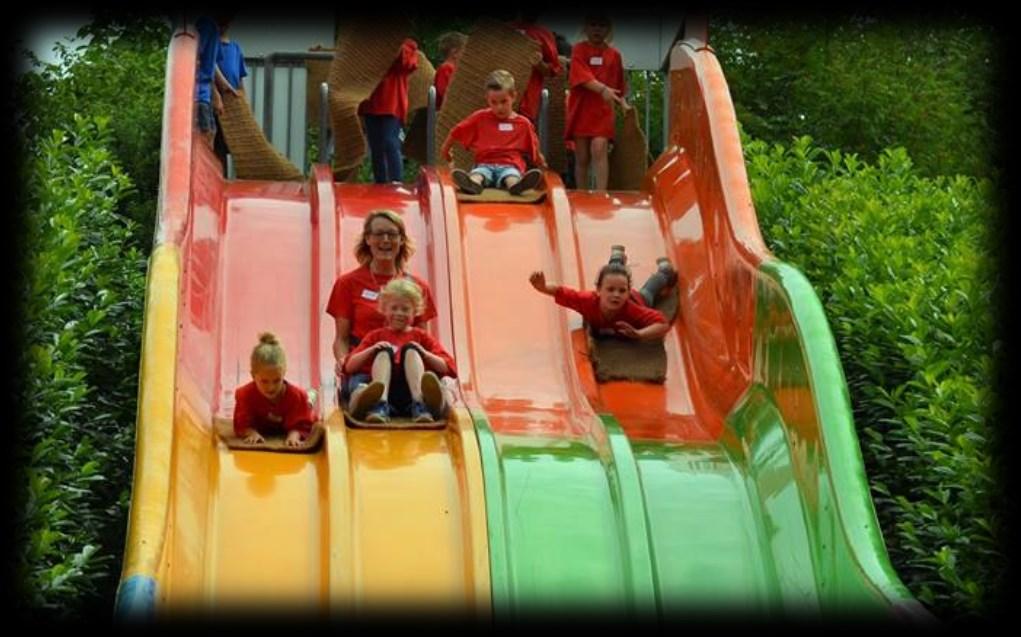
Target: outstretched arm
538 281
647 333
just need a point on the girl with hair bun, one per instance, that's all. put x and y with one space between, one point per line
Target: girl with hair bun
269 404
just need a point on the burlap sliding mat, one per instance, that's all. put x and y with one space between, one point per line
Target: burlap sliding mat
630 157
365 52
556 156
616 358
254 157
418 85
225 430
316 72
491 45
394 423
418 104
499 195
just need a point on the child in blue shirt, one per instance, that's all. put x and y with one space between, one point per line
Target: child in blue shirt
230 62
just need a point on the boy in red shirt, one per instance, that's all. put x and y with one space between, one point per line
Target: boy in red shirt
614 309
384 113
545 64
501 141
269 404
452 45
401 361
596 79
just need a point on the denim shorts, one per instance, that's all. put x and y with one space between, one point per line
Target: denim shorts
494 174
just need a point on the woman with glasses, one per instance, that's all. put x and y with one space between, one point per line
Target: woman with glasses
383 251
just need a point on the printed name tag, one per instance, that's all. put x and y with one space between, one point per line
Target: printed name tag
596 61
504 126
371 295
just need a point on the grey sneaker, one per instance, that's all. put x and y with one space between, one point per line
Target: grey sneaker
364 397
663 265
465 183
380 413
528 181
432 394
617 255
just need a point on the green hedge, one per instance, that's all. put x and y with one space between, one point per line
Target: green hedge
119 74
863 85
902 265
83 309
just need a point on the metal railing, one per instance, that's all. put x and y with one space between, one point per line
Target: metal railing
265 95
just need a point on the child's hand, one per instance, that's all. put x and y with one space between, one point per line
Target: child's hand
610 95
627 330
293 438
538 280
384 346
254 437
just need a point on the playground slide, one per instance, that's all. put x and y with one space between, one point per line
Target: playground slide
371 519
736 484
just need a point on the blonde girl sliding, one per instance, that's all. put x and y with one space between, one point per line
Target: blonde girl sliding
269 404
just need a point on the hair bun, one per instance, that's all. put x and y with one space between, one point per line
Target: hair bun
268 338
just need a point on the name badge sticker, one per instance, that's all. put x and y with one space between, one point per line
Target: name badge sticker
370 295
596 61
506 126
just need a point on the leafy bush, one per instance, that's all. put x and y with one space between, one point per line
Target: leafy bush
901 264
120 74
863 85
83 310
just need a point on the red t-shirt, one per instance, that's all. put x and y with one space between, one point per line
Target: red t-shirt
531 98
391 94
588 115
252 410
355 296
587 304
399 339
442 81
492 140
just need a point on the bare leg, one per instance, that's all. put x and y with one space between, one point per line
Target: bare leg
582 157
509 181
381 370
601 161
413 370
477 178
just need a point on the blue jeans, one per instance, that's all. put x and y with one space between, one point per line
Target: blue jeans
494 174
384 133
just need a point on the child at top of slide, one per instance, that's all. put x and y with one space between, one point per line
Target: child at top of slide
452 45
384 112
501 141
596 81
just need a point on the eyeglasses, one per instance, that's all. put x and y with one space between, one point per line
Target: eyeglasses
392 236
